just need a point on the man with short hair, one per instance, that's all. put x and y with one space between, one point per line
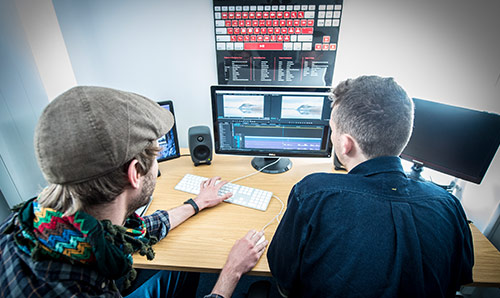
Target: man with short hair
372 232
97 149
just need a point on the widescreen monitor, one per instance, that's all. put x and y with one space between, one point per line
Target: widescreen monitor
453 140
271 121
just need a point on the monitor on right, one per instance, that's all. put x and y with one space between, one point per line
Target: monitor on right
452 140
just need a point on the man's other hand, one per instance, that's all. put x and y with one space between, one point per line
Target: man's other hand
245 253
241 259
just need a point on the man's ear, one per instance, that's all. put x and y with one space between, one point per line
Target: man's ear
133 174
347 144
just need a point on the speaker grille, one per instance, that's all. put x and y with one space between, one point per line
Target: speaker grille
201 152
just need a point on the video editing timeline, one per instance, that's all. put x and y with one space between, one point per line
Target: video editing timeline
291 122
293 43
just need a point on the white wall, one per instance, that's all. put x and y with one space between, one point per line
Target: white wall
48 48
22 98
442 50
161 49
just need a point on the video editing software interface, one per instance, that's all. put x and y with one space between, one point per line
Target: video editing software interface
287 121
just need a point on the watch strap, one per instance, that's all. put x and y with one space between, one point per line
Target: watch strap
193 203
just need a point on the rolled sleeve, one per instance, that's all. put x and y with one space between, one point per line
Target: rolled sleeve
158 224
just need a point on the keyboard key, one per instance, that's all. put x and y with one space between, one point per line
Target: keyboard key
304 38
309 15
221 46
238 46
223 38
263 46
220 30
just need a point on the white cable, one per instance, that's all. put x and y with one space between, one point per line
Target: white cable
251 174
277 215
282 204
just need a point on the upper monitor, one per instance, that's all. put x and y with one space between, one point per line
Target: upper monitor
456 141
271 121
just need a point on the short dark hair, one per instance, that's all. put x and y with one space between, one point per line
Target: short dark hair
376 112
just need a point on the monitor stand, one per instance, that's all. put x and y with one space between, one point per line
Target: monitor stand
416 169
283 165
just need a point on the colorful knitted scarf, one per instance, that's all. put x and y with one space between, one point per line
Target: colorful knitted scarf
80 238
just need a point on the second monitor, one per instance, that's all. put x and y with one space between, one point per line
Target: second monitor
270 122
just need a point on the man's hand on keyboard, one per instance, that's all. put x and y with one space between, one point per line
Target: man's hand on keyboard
208 193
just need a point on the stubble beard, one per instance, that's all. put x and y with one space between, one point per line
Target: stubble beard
143 198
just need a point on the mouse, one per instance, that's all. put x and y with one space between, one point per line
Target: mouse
262 239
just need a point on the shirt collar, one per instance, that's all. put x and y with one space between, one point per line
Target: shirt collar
382 164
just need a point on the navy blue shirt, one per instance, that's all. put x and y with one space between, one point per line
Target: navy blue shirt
371 233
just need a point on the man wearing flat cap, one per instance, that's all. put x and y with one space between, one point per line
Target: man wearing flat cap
97 149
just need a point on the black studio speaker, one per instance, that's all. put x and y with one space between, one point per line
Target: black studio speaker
200 145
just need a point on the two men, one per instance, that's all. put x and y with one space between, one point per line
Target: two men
372 232
97 149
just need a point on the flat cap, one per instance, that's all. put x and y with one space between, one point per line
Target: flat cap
87 132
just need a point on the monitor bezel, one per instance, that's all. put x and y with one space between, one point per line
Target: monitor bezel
170 104
429 163
213 90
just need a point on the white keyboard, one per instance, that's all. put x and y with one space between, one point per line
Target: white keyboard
242 195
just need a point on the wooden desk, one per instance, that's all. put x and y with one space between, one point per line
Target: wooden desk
202 243
486 271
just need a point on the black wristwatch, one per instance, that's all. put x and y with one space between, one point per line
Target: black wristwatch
193 203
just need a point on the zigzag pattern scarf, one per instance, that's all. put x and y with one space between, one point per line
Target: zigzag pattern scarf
80 238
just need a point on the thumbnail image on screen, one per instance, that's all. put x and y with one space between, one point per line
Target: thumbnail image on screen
294 107
243 106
